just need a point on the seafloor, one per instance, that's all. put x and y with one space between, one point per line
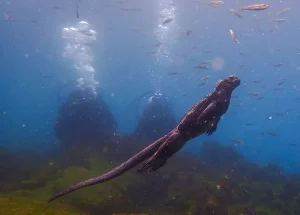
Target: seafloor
219 182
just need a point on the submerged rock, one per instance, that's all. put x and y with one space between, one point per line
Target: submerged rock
156 120
188 184
83 118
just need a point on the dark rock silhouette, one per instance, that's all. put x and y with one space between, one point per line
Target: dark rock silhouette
156 120
83 118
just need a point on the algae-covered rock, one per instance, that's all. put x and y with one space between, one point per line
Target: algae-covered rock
11 205
90 197
200 185
266 211
41 189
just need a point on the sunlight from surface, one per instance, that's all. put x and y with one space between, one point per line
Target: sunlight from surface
78 50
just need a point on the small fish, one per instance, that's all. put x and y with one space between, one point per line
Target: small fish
277 65
167 21
201 66
260 98
157 45
201 84
233 36
188 32
284 11
237 141
271 133
236 13
279 20
255 7
173 73
88 34
293 144
253 93
214 3
205 78
77 11
280 82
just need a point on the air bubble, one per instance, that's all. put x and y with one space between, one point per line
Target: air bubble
79 51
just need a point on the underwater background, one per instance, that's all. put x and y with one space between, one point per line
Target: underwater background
86 84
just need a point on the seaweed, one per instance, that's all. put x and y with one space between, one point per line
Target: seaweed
219 181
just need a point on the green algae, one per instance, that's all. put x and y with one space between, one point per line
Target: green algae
266 210
28 206
89 197
173 190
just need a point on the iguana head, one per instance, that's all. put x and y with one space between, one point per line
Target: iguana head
231 81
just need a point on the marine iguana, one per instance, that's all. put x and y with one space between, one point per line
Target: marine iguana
201 118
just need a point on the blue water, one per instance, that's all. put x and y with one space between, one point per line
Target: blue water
33 69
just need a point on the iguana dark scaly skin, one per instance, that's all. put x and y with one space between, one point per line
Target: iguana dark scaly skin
201 118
